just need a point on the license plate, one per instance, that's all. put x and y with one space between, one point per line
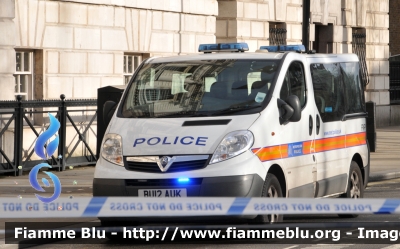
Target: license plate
177 192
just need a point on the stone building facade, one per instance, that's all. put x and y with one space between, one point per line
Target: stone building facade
332 25
7 52
74 47
78 46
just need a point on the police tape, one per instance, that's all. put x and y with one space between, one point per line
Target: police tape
192 206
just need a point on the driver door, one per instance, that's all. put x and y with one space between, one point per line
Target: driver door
299 136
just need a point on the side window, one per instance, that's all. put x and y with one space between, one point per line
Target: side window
354 92
294 83
328 91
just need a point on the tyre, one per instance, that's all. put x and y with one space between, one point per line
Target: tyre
271 189
355 187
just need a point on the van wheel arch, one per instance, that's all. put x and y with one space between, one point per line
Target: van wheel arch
278 172
357 158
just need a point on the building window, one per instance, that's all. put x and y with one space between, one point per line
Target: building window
131 63
323 42
277 33
359 48
24 74
394 79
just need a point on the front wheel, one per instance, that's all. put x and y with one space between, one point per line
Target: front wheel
271 189
355 187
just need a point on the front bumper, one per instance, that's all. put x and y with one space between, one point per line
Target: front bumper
223 186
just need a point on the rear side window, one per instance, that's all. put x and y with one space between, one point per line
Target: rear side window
353 89
328 91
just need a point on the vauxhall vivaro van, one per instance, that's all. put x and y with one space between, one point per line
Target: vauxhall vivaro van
238 124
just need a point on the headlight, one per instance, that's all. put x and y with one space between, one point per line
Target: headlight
233 144
112 149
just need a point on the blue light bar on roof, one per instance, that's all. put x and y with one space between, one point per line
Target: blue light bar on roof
284 48
221 47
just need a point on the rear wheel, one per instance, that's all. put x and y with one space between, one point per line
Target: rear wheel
271 189
355 187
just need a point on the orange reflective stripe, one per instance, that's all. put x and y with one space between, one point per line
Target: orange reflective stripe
273 152
356 139
284 150
332 143
307 145
320 145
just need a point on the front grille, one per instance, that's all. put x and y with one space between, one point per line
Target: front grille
161 182
152 167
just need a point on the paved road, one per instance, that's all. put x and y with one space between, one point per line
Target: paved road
384 189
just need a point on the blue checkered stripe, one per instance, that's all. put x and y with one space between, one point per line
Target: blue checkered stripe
239 205
389 207
192 206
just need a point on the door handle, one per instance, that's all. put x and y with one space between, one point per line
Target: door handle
310 125
318 123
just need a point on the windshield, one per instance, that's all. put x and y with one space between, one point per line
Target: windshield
199 88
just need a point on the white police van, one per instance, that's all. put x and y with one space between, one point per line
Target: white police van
264 124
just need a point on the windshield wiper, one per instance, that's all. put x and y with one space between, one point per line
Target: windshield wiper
235 109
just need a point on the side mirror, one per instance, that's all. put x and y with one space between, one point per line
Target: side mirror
294 102
108 110
289 110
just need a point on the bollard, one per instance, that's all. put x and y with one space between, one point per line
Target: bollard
18 135
371 125
62 118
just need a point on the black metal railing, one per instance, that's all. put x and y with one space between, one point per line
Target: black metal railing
359 48
394 82
277 36
19 112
